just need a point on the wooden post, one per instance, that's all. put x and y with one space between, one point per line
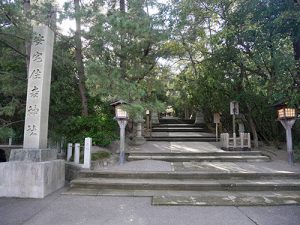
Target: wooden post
234 140
249 141
216 132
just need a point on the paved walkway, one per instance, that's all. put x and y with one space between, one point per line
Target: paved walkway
89 210
98 210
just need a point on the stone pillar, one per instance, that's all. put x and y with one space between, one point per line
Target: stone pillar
10 141
34 171
87 153
69 151
38 90
288 124
154 118
199 118
77 153
122 125
139 139
241 127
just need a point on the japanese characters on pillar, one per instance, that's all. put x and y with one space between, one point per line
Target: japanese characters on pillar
38 90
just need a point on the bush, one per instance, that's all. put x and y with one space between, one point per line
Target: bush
297 151
102 129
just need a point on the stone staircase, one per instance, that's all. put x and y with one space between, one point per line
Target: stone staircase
222 156
171 187
175 130
191 181
200 177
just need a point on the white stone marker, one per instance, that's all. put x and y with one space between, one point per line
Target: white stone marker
69 151
77 153
10 141
87 153
38 91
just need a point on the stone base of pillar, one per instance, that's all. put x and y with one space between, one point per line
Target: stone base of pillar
31 179
138 141
33 155
31 173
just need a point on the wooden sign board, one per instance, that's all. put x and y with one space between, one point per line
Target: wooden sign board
217 118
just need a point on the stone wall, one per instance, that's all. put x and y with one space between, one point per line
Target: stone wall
72 171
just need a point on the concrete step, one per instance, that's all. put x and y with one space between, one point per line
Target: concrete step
181 139
179 158
188 175
220 153
188 185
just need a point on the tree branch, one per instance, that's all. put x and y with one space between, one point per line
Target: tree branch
13 48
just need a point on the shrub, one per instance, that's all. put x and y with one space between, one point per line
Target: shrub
102 129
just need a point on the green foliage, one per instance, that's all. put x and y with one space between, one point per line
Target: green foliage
245 53
297 151
122 58
190 54
102 129
6 133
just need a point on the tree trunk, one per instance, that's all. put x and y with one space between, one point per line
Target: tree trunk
252 127
122 60
122 5
26 8
79 60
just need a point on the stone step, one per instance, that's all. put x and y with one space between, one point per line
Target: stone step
175 121
178 129
219 153
181 139
187 185
179 158
183 125
187 175
199 198
230 199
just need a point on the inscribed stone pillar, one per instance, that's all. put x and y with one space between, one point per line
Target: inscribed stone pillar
34 171
38 91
